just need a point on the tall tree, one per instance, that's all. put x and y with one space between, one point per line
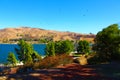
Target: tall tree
83 47
107 42
50 49
25 52
12 59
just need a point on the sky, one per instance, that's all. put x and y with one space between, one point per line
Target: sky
81 16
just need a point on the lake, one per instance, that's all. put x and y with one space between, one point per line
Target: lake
6 48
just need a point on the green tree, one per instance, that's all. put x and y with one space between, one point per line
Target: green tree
67 46
83 47
50 49
107 42
25 52
64 47
12 59
58 47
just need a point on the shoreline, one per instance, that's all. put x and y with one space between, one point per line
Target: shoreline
3 64
16 43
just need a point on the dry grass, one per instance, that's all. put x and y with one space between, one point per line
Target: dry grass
53 61
16 33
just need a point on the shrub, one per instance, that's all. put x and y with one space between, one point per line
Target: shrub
65 59
53 61
96 59
47 62
82 60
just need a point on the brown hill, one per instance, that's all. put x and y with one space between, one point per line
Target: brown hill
8 34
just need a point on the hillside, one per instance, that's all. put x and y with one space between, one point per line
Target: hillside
9 34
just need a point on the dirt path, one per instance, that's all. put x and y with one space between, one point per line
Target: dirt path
72 72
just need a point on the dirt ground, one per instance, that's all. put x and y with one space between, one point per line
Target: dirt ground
71 72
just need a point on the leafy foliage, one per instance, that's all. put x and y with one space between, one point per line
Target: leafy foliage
83 47
59 47
94 58
107 42
12 59
63 47
50 49
26 52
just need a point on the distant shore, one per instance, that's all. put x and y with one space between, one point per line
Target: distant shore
17 43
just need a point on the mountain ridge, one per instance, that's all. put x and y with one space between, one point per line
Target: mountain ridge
7 34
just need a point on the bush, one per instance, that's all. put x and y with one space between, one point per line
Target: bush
53 61
65 59
82 60
96 59
47 62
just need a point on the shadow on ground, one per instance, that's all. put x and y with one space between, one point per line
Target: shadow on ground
72 72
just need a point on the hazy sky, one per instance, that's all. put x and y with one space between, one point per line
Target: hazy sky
82 16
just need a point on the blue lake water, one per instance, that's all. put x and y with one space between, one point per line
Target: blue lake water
6 48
